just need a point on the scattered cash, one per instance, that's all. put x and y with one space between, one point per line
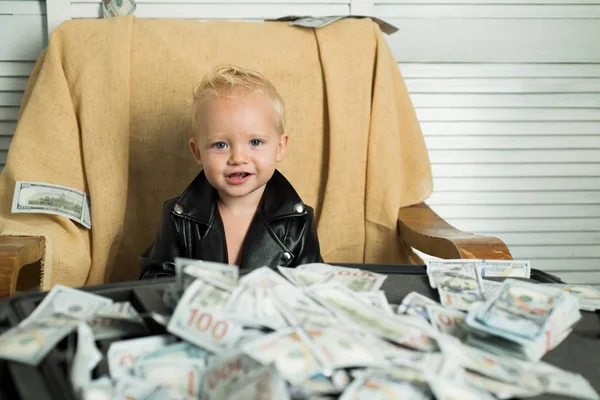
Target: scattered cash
116 8
131 388
316 22
505 269
459 284
321 385
498 388
449 389
69 302
399 383
344 303
199 319
448 321
299 309
564 383
415 304
355 279
250 303
184 376
86 358
304 277
123 354
490 288
287 350
376 299
264 278
99 389
30 343
342 349
56 316
263 383
226 373
221 276
117 320
317 332
496 367
176 351
217 274
45 198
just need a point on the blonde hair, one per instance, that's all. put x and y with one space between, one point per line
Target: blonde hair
226 80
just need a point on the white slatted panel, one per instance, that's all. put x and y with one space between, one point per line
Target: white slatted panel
22 38
525 32
508 95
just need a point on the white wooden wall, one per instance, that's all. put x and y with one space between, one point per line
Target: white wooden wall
508 95
507 92
23 34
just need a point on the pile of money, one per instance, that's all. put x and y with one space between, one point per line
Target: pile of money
316 332
523 320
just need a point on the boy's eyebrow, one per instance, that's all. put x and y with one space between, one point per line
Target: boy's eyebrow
213 137
217 136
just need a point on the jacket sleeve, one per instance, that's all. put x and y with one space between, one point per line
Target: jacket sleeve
309 250
158 260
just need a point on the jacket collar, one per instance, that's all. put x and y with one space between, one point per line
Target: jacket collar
199 201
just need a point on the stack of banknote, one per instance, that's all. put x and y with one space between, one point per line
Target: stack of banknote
523 320
315 332
461 283
589 297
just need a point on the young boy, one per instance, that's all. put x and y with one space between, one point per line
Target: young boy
239 210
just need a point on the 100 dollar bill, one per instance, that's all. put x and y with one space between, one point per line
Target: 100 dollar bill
45 198
116 8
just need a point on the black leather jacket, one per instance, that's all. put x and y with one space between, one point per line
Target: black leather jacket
282 231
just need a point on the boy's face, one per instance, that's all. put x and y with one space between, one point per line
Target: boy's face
237 144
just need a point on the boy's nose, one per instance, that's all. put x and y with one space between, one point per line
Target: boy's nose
238 157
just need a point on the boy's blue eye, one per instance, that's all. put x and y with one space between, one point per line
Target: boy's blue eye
255 142
219 145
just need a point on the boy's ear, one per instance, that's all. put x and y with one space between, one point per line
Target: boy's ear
282 147
195 148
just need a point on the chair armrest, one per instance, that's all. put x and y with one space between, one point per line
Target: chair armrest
16 252
423 229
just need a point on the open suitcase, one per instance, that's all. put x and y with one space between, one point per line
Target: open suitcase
580 352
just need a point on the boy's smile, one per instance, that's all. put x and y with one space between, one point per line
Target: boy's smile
237 178
238 144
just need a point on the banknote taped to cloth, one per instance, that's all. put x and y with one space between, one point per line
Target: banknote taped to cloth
46 198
